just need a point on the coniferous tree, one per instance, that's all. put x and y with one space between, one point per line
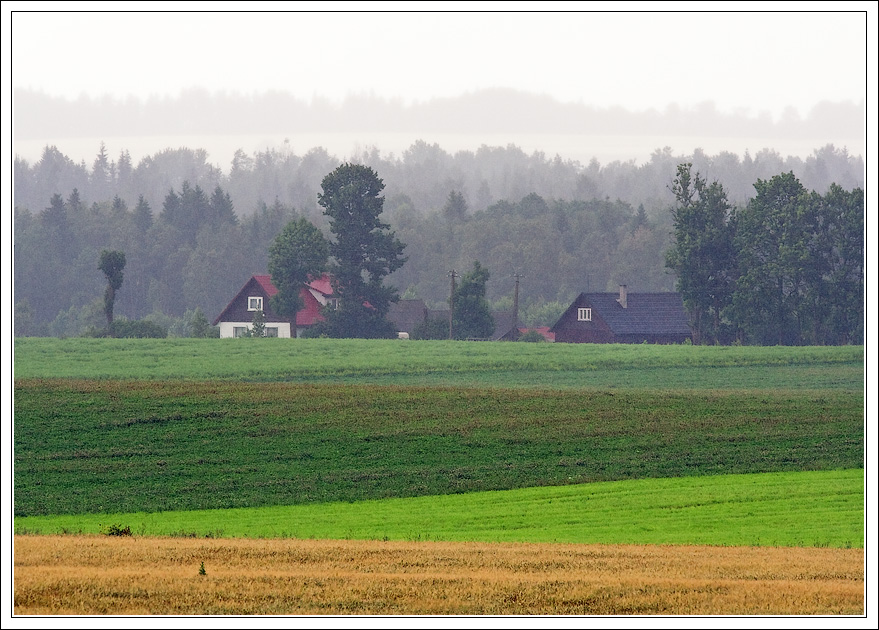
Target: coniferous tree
365 251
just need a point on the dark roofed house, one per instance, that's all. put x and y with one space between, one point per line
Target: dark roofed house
506 326
406 315
624 318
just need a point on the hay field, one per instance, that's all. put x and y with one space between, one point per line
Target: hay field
86 575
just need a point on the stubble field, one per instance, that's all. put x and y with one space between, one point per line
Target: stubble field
64 575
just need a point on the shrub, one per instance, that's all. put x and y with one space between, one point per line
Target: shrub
141 329
431 328
116 530
533 336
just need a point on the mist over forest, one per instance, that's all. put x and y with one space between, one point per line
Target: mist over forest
197 111
568 226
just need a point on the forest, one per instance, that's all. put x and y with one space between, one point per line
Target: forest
193 232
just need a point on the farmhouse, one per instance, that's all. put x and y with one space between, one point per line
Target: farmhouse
624 318
237 318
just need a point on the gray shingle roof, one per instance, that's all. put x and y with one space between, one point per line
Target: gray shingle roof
646 313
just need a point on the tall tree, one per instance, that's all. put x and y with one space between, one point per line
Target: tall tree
365 251
143 216
702 254
111 263
834 293
772 234
222 210
298 254
471 316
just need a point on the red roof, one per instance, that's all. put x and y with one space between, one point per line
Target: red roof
266 283
322 284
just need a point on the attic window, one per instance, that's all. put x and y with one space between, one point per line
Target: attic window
584 314
254 304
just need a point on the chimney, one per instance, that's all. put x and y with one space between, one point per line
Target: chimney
623 295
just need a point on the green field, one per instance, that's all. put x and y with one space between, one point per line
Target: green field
753 510
451 363
158 426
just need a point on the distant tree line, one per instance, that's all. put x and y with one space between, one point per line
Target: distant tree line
424 173
190 242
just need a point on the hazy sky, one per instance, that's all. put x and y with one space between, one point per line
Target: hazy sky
740 60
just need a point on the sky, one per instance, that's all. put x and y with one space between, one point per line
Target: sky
742 61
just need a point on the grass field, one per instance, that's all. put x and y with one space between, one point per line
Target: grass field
438 441
442 363
800 509
108 446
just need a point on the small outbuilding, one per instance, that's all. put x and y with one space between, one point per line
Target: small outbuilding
624 318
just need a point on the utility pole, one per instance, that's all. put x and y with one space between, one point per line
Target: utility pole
516 275
452 274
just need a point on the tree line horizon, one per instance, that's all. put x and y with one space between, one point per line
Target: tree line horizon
195 251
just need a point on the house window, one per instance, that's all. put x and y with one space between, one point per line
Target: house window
271 331
254 304
584 314
239 331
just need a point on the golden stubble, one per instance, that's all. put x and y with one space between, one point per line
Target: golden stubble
99 575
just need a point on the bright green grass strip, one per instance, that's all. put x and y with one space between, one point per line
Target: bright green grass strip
445 363
811 509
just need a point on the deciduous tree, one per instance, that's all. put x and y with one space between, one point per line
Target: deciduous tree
297 255
471 317
702 255
112 263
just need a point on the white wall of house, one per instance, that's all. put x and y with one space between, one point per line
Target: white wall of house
227 329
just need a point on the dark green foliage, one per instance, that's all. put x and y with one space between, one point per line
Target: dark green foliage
365 251
258 324
297 255
109 446
786 269
574 228
801 274
703 256
199 326
111 263
116 530
532 336
133 329
431 328
472 318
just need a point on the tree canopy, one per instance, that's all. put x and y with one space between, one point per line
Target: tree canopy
471 312
364 252
702 254
297 255
111 263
